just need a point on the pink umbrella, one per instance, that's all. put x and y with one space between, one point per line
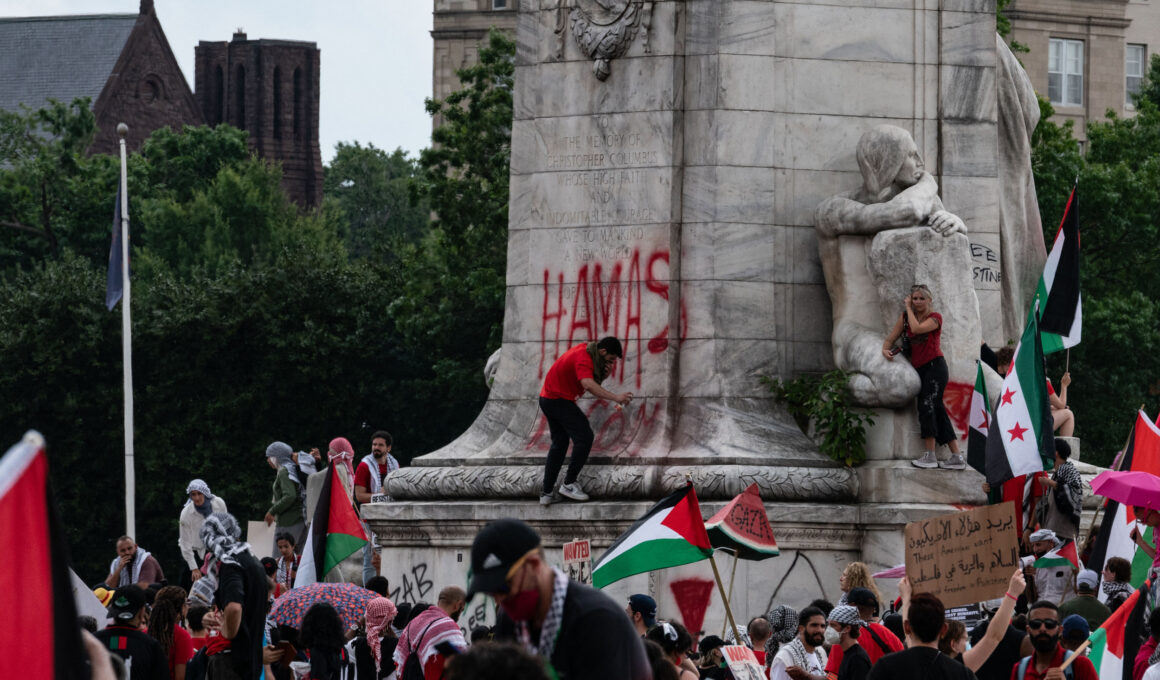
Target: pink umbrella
1130 487
893 572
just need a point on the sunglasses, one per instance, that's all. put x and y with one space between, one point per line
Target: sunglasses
1048 624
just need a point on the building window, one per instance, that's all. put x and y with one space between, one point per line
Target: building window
499 4
1134 60
1065 72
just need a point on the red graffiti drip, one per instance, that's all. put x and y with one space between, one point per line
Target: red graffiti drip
692 597
957 400
557 316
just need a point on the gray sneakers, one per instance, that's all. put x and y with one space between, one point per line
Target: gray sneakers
955 462
928 460
573 491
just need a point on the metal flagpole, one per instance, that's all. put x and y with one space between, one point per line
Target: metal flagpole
127 346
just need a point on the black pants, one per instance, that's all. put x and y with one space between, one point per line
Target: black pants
933 420
566 422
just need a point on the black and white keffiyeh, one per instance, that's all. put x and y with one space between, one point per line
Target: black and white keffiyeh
221 535
1071 485
1116 589
132 574
783 622
551 628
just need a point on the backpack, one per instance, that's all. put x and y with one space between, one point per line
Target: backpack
1022 673
413 667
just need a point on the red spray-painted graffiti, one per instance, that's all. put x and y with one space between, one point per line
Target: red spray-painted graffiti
615 431
612 307
957 400
692 597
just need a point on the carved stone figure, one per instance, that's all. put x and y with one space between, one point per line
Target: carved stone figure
604 29
896 193
1020 231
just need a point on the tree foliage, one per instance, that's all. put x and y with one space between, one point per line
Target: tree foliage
1116 367
373 190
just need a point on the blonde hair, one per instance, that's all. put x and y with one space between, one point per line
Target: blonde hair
858 576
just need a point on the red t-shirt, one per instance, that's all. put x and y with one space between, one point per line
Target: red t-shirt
1082 667
924 348
563 379
868 643
362 475
182 650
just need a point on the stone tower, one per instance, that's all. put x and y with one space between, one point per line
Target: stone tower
270 89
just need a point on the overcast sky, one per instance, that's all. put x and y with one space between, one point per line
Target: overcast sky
375 62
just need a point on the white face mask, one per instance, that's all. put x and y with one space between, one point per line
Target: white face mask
833 637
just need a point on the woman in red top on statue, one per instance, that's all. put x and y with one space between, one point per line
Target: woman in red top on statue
923 328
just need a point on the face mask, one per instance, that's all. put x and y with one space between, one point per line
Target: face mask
520 606
833 637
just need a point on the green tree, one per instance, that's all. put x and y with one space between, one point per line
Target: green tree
451 309
372 188
1117 366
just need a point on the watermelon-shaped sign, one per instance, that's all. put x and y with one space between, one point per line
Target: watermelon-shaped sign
742 527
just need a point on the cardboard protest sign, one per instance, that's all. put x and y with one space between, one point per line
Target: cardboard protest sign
965 557
742 663
578 561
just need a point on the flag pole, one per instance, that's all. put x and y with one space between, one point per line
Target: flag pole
725 599
732 576
1116 466
127 345
1067 362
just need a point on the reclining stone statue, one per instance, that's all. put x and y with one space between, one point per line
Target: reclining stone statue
896 193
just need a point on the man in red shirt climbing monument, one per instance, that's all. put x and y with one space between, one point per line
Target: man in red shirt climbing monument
580 369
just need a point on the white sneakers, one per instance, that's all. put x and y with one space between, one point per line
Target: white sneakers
573 492
930 460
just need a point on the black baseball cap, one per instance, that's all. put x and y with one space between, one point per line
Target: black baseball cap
127 601
709 643
496 548
862 597
645 606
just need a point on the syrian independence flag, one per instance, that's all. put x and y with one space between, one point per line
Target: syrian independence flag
335 533
1060 313
40 618
1114 645
672 533
1114 540
980 422
1020 439
1063 556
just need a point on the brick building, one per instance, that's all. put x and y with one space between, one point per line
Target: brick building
270 89
122 62
459 27
1087 56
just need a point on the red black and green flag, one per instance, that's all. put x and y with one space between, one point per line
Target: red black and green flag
980 422
1058 296
672 533
40 619
335 532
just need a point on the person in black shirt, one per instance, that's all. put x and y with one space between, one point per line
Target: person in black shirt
1006 654
241 594
925 623
855 661
578 631
142 654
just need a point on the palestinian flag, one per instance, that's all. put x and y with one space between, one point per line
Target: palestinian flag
980 422
1114 645
1063 556
1142 455
40 619
1020 439
672 533
742 527
1057 295
1024 491
335 533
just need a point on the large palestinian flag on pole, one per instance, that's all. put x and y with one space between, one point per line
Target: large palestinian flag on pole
335 532
1020 439
980 422
1114 645
1058 298
1142 455
39 625
672 533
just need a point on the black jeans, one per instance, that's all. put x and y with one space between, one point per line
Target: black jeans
565 421
933 420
